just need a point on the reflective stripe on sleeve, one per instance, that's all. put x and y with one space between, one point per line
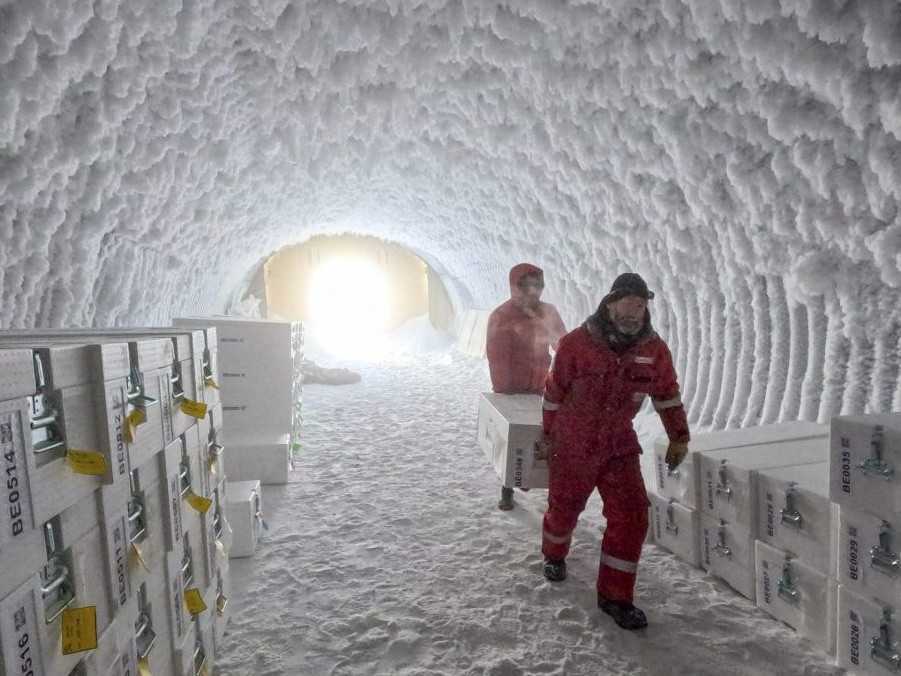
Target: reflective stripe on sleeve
667 403
619 564
549 405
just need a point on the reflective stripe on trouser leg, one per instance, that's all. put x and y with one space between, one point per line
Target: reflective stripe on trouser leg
553 545
626 510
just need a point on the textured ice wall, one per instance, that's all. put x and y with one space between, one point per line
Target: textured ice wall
744 156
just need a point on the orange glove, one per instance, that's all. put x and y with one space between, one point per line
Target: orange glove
676 453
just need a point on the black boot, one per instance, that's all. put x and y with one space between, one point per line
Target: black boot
506 501
555 571
623 613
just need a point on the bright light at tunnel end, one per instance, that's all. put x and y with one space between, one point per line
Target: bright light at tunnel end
349 306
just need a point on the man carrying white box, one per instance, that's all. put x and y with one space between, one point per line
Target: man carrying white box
601 375
520 333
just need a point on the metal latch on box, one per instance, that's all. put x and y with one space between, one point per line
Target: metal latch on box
789 515
187 565
221 598
199 654
875 465
46 428
723 487
136 394
721 548
178 390
786 585
882 558
145 636
882 647
671 525
57 590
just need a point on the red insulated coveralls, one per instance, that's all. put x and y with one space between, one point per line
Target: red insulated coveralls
518 340
592 395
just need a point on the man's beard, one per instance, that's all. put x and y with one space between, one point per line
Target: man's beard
627 326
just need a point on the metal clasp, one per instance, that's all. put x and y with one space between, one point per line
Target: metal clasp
723 487
184 469
882 647
57 589
221 598
875 465
199 653
786 584
46 430
882 558
187 565
789 514
721 548
136 394
671 525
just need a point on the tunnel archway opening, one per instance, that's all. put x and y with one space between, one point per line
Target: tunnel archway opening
353 292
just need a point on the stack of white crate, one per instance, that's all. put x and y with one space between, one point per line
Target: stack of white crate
125 542
866 483
261 383
676 509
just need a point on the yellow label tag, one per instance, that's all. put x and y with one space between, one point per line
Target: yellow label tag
135 418
198 502
86 462
144 667
211 382
203 671
139 555
194 601
79 629
195 409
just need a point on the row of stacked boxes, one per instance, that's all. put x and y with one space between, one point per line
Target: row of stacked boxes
800 518
107 440
261 393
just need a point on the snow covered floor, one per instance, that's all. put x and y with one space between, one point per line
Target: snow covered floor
387 556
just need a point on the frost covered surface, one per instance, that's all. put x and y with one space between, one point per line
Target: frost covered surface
746 157
386 555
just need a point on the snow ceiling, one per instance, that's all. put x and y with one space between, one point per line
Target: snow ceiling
744 156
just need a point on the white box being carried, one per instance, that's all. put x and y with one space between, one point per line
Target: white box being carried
682 483
866 462
244 513
509 428
792 591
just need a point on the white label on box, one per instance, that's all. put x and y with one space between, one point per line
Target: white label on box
19 628
118 545
17 515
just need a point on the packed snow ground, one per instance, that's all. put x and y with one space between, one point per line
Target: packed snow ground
386 555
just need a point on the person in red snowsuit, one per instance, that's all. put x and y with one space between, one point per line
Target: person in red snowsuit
520 333
601 375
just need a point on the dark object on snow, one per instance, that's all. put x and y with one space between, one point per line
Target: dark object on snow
313 373
555 571
506 502
623 613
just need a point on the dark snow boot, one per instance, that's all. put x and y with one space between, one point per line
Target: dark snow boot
506 501
623 613
555 571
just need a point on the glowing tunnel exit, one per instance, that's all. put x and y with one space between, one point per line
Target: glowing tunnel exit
353 292
349 305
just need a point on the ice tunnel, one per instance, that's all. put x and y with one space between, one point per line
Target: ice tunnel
744 157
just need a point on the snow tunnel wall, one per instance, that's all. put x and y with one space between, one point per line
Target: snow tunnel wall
745 157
